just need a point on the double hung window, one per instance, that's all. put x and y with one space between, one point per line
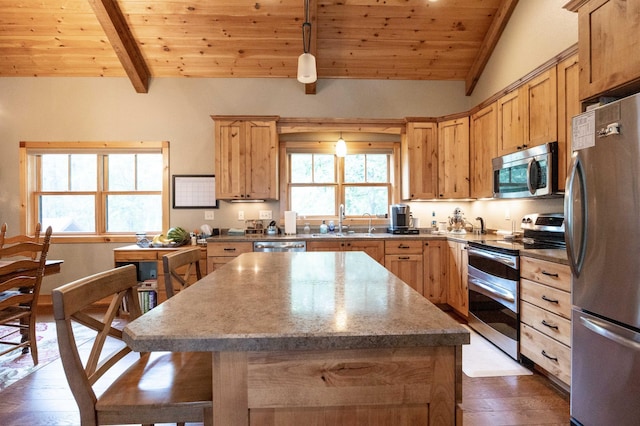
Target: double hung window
96 189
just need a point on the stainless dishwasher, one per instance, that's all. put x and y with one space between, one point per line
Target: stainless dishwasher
276 246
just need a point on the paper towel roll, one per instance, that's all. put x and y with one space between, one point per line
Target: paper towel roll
290 222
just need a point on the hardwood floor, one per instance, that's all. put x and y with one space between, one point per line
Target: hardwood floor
43 398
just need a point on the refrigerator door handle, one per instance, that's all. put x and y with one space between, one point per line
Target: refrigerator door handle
631 341
575 242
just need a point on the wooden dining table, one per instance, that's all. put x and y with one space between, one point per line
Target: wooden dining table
51 267
313 338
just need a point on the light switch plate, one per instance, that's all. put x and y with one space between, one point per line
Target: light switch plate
266 214
209 215
241 215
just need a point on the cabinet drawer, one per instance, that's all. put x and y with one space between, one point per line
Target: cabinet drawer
546 352
228 249
549 298
134 255
547 323
403 247
553 274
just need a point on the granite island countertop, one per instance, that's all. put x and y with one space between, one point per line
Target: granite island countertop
295 301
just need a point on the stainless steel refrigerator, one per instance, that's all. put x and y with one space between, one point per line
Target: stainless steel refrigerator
602 230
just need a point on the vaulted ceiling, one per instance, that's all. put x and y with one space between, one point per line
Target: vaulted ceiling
362 39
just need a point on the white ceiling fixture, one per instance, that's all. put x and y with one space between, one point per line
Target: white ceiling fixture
341 147
306 62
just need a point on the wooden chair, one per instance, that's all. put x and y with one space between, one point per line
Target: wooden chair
20 281
35 238
158 387
179 259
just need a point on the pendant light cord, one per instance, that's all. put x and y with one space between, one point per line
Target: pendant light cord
306 29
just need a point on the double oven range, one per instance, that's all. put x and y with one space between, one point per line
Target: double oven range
494 279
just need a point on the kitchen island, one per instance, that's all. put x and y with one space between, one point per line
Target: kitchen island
314 338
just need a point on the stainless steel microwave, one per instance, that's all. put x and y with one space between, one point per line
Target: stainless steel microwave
531 172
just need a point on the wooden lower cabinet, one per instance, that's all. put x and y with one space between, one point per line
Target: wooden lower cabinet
148 262
434 264
374 248
458 289
545 316
218 254
404 259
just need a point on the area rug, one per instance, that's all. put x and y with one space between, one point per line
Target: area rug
482 359
16 365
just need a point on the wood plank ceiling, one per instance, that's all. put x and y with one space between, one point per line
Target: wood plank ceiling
362 39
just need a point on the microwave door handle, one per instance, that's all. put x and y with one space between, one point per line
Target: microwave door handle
533 174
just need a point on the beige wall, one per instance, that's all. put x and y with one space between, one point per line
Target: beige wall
178 110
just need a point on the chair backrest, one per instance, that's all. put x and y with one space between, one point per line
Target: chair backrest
6 241
178 259
70 303
24 273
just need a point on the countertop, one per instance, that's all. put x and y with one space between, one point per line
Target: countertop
552 255
295 301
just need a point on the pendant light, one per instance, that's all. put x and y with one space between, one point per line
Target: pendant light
306 62
341 147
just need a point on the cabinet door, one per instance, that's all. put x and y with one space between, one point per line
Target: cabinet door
510 134
229 160
375 249
483 146
540 112
458 297
419 152
453 158
608 45
407 267
261 150
568 107
435 271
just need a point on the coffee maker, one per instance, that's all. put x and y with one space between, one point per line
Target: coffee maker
400 220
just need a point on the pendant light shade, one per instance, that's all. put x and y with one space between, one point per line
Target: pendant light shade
341 147
307 68
306 62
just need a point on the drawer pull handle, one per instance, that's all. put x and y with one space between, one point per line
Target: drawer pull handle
403 258
546 299
230 249
550 274
546 324
552 358
402 246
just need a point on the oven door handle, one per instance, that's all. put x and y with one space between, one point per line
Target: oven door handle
498 292
502 259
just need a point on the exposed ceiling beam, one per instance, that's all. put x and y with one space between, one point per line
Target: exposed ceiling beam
115 27
491 39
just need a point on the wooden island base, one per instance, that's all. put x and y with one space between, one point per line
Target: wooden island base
388 386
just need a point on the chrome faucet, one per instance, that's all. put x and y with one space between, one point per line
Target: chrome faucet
340 218
371 228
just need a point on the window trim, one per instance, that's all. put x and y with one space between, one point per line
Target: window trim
28 179
329 147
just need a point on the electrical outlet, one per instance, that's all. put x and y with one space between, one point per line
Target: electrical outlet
241 215
266 214
507 215
209 215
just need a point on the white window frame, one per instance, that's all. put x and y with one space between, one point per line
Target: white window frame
29 178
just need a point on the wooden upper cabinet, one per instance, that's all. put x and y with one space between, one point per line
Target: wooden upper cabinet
568 107
419 152
246 160
540 109
483 146
510 134
608 46
527 116
453 158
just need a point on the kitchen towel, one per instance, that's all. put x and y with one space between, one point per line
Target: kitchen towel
290 222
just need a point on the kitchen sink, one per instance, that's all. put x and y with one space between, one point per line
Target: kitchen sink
343 235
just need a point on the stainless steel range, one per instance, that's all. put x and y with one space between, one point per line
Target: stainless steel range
494 279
